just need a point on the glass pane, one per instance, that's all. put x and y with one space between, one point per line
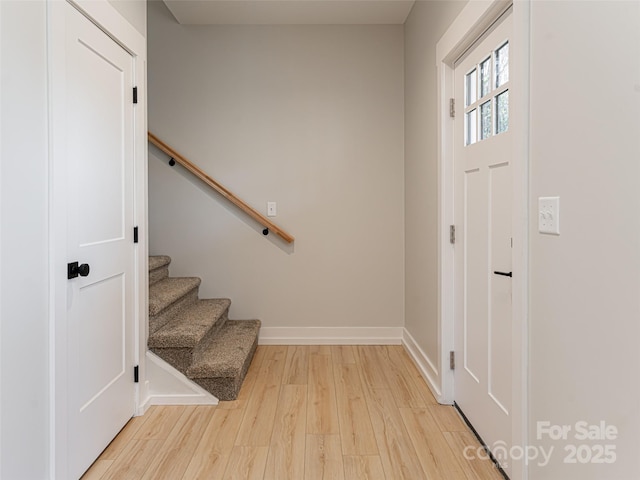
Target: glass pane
502 108
471 86
470 127
485 77
502 65
485 120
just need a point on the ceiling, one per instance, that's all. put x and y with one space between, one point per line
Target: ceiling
290 12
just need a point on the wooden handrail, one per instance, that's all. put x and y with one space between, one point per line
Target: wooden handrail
222 190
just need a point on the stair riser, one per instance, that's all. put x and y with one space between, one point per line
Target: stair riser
158 321
215 328
158 274
181 357
227 388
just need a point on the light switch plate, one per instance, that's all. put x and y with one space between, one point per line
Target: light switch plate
549 215
271 209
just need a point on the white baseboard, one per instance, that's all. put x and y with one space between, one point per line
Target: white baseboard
330 336
167 386
424 364
143 407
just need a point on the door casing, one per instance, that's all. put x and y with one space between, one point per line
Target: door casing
104 15
474 19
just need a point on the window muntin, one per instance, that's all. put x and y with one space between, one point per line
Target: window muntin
486 96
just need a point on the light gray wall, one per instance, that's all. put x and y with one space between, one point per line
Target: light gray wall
308 116
425 25
585 283
24 279
135 11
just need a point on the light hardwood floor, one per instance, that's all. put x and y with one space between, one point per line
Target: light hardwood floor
304 412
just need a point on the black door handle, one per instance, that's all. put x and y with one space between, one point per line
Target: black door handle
83 270
504 274
73 270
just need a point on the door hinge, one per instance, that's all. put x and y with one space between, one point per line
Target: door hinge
135 94
452 107
452 360
135 234
452 234
135 374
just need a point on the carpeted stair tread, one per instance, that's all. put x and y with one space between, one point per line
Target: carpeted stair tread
188 328
228 353
167 291
158 261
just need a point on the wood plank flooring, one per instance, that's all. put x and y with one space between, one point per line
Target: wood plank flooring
304 413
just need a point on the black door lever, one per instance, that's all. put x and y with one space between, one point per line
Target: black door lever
504 274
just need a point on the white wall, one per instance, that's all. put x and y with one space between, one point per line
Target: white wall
425 25
584 308
585 283
308 116
25 353
24 321
135 11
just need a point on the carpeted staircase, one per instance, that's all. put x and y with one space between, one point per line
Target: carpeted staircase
195 336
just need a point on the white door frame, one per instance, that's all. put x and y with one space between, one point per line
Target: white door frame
474 19
107 18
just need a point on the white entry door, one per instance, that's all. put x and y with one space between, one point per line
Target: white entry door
483 261
100 163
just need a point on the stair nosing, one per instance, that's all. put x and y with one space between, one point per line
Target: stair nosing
183 319
165 261
199 367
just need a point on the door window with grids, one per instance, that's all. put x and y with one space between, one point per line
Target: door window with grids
486 96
